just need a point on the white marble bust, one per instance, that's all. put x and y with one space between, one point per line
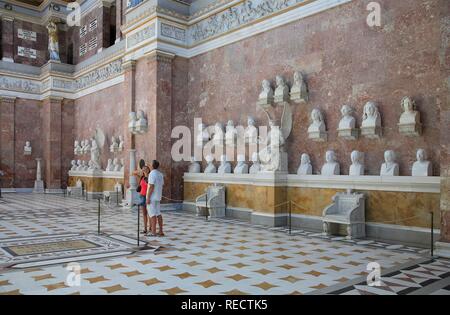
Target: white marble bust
317 128
79 183
241 167
109 166
218 134
77 149
79 166
305 167
27 148
121 144
194 167
409 123
347 124
141 122
73 166
87 147
132 122
422 167
251 132
116 164
389 167
371 121
256 166
122 163
357 166
266 96
347 121
282 91
230 133
210 167
85 166
331 166
202 134
114 147
299 90
225 166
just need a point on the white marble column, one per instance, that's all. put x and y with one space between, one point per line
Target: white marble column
132 195
38 183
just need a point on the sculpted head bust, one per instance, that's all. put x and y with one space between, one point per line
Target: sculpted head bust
347 121
389 167
305 167
331 167
421 167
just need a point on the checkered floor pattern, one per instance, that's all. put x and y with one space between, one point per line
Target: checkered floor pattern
209 257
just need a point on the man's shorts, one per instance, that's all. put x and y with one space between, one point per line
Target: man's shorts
154 208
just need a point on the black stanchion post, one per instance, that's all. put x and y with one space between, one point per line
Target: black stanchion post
98 223
432 234
138 223
117 196
1 192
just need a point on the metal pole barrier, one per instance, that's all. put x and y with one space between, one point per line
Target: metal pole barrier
98 227
138 223
432 234
117 196
1 192
206 203
290 220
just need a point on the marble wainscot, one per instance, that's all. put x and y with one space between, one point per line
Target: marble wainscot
389 201
97 182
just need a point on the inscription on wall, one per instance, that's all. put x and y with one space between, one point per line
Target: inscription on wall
83 49
83 30
93 25
26 52
140 36
26 34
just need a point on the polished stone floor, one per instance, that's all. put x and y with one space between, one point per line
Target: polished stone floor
196 256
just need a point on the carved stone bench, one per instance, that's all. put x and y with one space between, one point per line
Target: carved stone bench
347 209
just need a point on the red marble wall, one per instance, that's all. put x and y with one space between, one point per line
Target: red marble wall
104 109
27 128
40 44
345 61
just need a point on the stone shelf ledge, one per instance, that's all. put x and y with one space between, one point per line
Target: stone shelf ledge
96 174
395 183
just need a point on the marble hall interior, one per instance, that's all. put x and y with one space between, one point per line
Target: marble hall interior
327 120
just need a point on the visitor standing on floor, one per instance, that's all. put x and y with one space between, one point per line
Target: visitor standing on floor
142 188
154 195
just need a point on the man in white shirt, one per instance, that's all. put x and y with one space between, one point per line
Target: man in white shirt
154 195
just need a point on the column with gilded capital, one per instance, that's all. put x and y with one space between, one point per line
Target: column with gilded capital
52 143
7 141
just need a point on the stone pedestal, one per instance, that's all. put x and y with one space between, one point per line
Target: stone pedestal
132 196
38 183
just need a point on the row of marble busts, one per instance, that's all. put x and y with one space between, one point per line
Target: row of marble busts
137 122
82 147
117 144
225 166
229 134
421 167
298 92
409 123
114 165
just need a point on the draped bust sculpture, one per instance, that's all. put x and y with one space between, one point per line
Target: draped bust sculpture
347 125
230 133
371 121
282 90
265 99
251 132
225 166
273 157
299 90
421 167
389 167
194 167
241 166
210 167
53 46
331 166
218 134
95 155
409 123
305 167
256 166
317 128
357 167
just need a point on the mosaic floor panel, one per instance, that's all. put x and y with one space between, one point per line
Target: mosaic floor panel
207 257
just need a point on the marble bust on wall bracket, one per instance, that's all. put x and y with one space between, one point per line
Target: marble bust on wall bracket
409 124
357 166
265 99
331 166
347 126
317 129
371 121
389 167
299 89
282 91
305 167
